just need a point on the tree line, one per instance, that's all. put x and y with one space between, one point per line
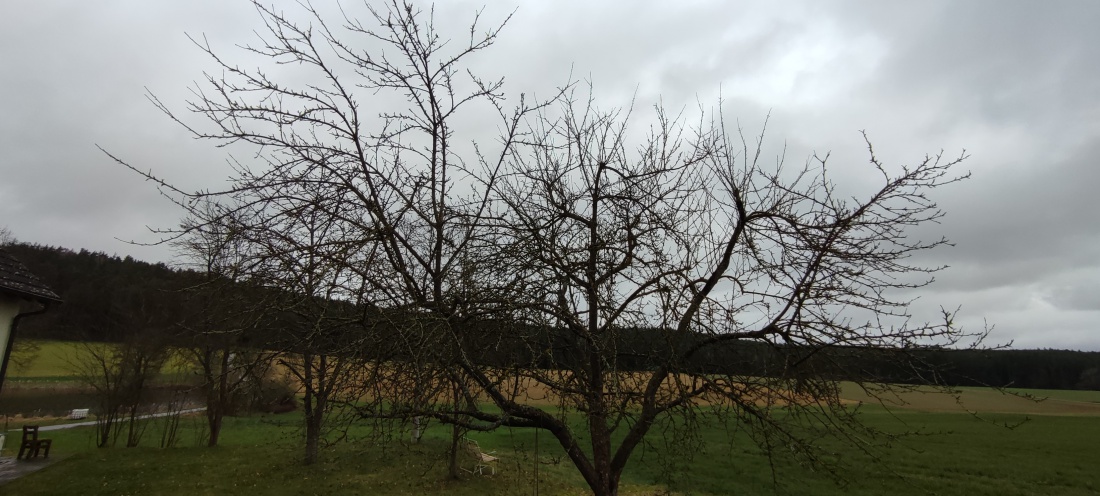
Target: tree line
103 293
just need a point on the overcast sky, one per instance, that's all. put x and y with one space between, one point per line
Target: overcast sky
1017 84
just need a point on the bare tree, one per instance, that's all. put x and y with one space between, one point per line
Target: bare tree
120 374
639 281
705 247
222 333
371 208
289 279
323 347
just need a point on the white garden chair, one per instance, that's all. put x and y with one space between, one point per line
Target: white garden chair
482 460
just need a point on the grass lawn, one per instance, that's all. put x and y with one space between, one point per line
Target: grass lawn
1054 450
956 454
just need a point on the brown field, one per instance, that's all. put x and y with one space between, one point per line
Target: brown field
967 399
985 400
51 364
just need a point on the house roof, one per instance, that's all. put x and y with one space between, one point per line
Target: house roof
16 280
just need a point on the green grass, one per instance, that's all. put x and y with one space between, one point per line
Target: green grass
953 454
260 456
1053 451
54 363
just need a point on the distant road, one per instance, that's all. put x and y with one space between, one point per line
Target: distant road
92 422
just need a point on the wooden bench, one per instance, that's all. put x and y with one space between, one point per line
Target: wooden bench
78 413
482 460
31 445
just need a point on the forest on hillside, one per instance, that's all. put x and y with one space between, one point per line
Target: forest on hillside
107 298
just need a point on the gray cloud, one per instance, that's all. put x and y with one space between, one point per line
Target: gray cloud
1013 83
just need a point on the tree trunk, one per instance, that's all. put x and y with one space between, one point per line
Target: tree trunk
313 438
218 402
456 434
132 435
600 475
606 482
214 418
456 446
314 406
106 423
